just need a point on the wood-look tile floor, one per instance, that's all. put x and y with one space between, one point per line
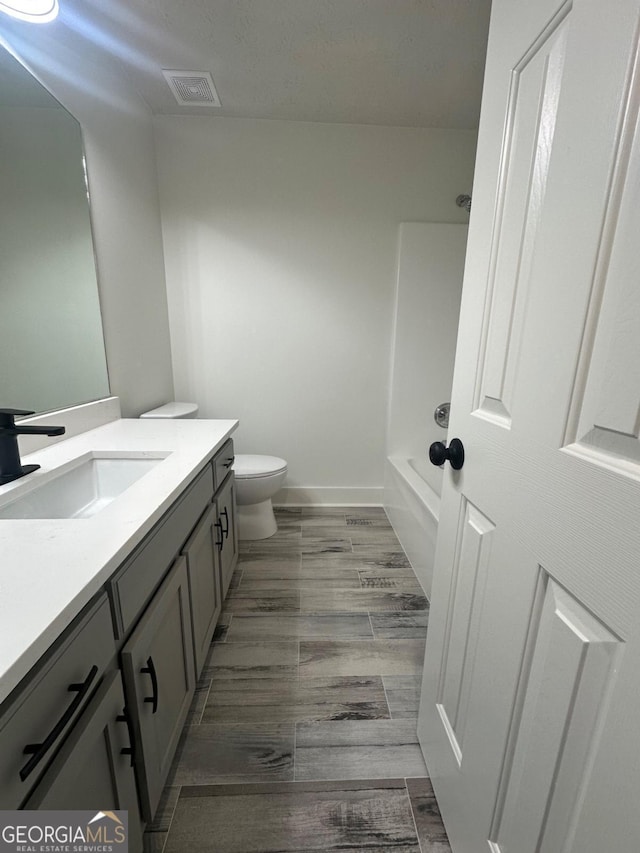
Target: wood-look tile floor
302 732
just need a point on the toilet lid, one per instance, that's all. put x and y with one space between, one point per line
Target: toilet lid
251 465
172 410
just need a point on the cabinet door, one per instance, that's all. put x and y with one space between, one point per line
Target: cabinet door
159 680
204 585
93 770
227 532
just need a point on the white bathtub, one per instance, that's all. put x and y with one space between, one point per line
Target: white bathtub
413 508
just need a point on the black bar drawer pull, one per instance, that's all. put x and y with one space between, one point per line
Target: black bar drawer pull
229 461
37 751
125 717
226 516
219 542
151 670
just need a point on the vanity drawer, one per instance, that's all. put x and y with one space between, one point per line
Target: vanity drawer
135 582
51 699
222 462
94 765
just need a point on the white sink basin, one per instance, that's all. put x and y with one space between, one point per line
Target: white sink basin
79 489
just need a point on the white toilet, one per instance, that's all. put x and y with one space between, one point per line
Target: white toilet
258 478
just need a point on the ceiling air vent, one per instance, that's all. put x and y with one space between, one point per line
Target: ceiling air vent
192 88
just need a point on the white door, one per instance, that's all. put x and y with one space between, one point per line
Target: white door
530 709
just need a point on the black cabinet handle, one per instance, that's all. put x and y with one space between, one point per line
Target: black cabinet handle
37 751
125 717
226 516
150 669
229 462
219 542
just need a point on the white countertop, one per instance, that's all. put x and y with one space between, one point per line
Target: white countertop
51 568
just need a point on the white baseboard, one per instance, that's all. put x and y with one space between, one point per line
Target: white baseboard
75 419
330 496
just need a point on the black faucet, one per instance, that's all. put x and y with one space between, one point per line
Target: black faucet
10 466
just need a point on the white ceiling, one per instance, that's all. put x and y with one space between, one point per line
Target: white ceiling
416 63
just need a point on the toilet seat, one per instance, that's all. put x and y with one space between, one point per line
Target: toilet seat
253 466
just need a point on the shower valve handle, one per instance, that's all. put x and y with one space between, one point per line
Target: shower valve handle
439 453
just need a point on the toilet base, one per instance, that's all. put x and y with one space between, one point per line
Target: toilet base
256 521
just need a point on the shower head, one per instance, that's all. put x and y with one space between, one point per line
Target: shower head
464 201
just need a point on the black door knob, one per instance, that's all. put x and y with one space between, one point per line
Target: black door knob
439 453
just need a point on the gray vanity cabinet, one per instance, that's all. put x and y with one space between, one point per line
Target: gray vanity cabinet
65 738
159 677
227 531
204 585
93 770
44 709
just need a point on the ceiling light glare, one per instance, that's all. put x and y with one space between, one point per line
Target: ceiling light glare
35 11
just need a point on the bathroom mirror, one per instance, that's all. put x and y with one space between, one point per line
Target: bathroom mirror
51 342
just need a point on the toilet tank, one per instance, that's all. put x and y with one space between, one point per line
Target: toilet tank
173 410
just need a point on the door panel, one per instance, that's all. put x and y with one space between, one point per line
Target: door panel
582 222
532 666
465 604
529 130
566 668
605 415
